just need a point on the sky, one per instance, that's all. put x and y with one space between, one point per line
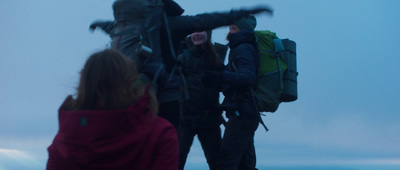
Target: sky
348 59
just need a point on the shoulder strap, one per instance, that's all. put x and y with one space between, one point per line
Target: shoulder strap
172 49
171 46
221 51
185 57
253 98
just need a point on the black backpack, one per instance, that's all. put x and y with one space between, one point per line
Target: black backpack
136 33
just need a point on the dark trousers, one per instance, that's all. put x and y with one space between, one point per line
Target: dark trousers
237 149
210 139
171 111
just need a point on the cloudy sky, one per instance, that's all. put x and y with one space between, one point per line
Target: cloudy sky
348 53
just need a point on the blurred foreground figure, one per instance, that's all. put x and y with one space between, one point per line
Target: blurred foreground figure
112 122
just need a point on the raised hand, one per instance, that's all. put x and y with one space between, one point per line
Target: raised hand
259 9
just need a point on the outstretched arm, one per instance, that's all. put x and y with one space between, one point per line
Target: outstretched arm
106 26
208 21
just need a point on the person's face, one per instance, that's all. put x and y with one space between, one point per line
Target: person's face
233 29
199 38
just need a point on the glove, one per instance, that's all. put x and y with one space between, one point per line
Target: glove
106 26
259 9
212 78
95 24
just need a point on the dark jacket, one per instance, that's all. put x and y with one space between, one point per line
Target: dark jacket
182 26
244 56
132 138
202 106
196 61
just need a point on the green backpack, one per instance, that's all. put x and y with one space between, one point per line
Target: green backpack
277 74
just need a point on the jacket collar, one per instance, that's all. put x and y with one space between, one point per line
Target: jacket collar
244 36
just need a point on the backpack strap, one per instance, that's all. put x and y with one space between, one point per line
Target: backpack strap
184 58
169 36
279 51
278 54
280 71
172 49
125 32
253 98
155 78
178 65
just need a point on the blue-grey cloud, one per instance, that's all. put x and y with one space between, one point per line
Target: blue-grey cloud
11 159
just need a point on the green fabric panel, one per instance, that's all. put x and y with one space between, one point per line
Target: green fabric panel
268 63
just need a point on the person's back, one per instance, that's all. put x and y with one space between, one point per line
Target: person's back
112 122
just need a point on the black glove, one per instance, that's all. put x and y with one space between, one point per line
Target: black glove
212 78
106 26
259 9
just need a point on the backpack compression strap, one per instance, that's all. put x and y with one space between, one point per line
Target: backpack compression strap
253 98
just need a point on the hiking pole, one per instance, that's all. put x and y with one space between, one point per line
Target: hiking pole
252 93
262 123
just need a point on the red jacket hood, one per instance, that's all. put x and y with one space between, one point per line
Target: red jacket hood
119 139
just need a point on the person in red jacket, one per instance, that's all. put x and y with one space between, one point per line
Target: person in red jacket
112 122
